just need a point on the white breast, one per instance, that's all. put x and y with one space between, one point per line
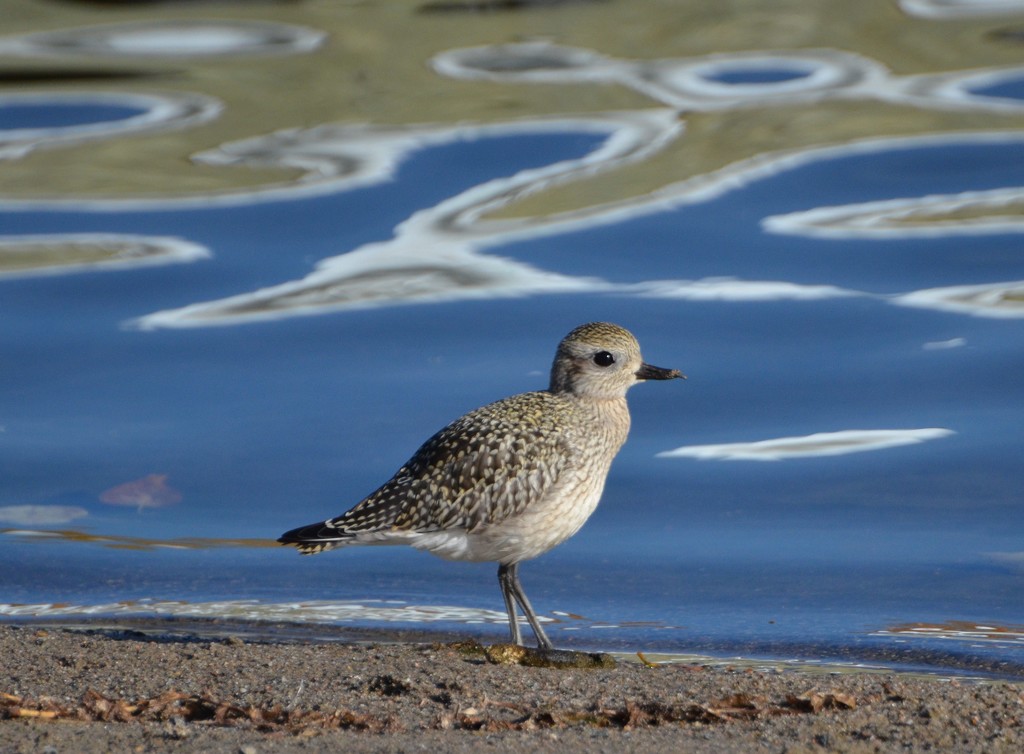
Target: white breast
532 533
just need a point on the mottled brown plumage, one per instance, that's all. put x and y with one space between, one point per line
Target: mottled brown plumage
510 480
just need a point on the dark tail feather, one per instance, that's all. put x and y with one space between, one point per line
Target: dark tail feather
314 538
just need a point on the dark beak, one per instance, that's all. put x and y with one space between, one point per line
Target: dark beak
647 372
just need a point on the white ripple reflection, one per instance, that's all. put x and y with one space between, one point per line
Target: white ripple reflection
719 81
968 213
40 515
439 253
732 289
60 253
434 254
809 446
1004 300
999 300
961 8
316 611
170 38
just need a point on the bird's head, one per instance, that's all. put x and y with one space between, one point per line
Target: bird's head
601 360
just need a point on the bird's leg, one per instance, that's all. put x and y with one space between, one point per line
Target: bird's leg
510 605
508 575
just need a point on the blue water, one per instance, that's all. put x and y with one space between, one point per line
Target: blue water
263 427
1010 89
59 114
757 75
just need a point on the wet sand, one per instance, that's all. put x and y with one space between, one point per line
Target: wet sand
95 691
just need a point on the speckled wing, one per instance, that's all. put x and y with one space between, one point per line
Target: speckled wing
490 464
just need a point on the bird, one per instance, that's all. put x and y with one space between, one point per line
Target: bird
510 480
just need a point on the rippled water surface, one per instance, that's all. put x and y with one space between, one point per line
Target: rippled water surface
184 375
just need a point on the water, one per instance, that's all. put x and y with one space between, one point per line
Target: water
15 116
170 408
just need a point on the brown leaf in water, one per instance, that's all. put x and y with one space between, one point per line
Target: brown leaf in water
150 491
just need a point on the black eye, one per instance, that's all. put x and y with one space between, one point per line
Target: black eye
603 359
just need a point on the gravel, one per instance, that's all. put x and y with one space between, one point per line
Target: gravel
97 691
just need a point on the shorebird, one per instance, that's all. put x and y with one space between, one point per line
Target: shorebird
508 481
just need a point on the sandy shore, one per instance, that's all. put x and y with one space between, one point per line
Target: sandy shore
90 691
